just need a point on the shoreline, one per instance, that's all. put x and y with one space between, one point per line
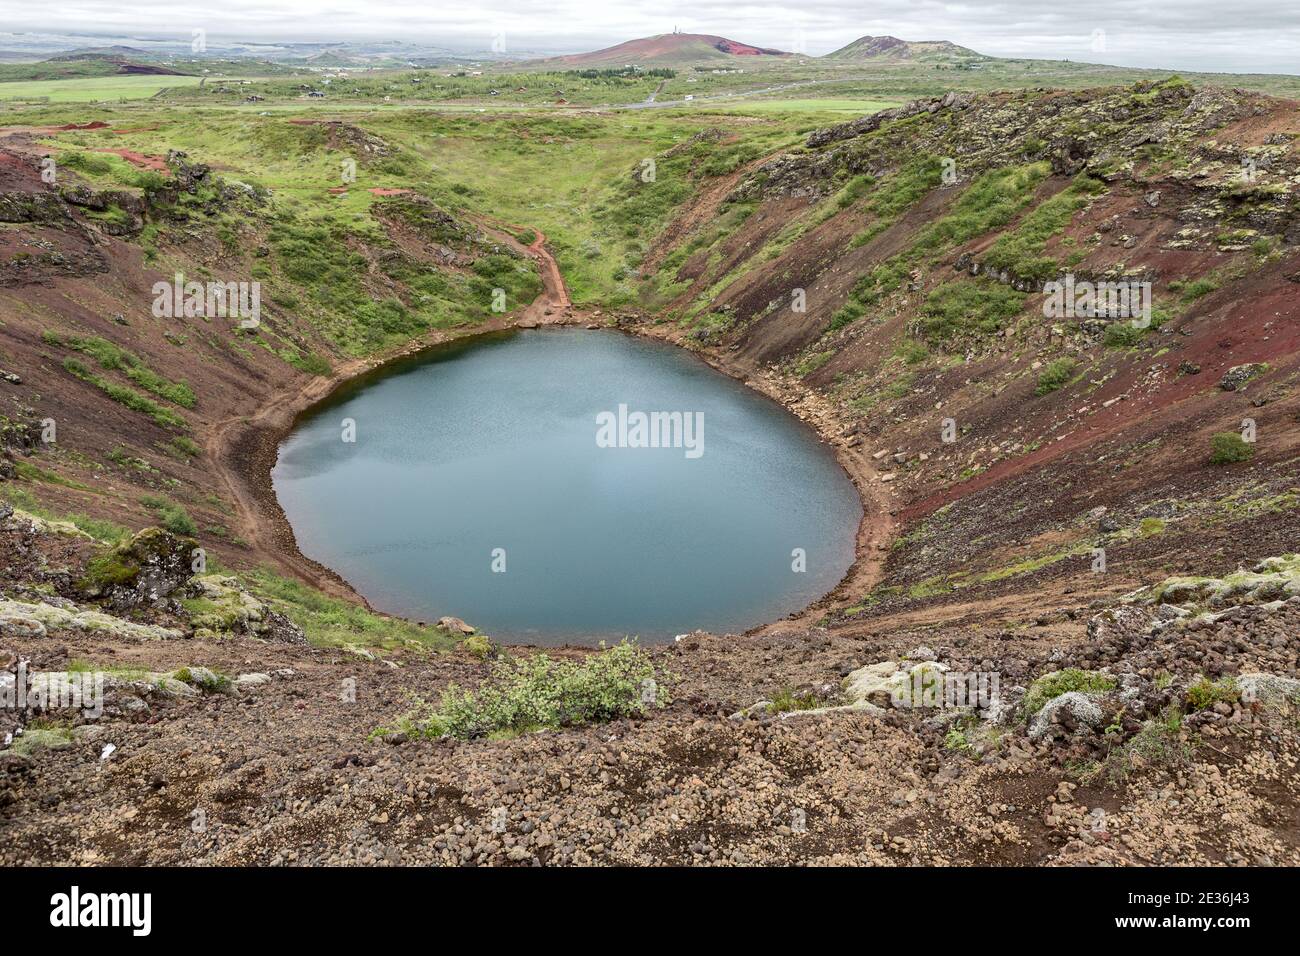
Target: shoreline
245 449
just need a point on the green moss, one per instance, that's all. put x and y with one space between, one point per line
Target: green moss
109 570
1050 686
1149 527
42 734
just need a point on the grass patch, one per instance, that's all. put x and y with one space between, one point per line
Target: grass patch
114 358
42 733
1056 375
786 700
962 308
109 532
1227 448
172 515
540 692
1206 693
332 622
126 396
1021 250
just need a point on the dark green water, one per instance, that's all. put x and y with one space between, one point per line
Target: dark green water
491 443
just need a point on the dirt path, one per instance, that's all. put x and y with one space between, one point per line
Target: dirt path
555 296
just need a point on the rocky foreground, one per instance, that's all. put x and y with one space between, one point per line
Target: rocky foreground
1161 729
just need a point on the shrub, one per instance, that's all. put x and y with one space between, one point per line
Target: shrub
479 645
1050 686
1122 335
787 700
541 692
1055 375
186 446
1229 447
1206 693
311 363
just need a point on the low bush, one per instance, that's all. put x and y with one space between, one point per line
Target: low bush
173 516
1228 448
1055 376
540 692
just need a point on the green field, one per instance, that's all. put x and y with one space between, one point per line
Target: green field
857 107
93 89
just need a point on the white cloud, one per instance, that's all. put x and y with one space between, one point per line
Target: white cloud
1251 35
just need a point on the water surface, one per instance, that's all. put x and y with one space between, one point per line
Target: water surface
491 443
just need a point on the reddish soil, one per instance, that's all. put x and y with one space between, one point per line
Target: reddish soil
156 163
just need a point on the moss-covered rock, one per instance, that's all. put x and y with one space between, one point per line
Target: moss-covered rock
1273 579
220 604
39 617
145 570
1071 680
37 737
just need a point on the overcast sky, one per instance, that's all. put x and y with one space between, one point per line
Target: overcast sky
1236 36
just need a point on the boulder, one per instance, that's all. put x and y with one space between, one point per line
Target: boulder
1268 689
1072 710
20 626
1237 376
52 617
145 571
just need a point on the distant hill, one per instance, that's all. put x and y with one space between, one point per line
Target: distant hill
83 64
668 49
100 52
892 48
